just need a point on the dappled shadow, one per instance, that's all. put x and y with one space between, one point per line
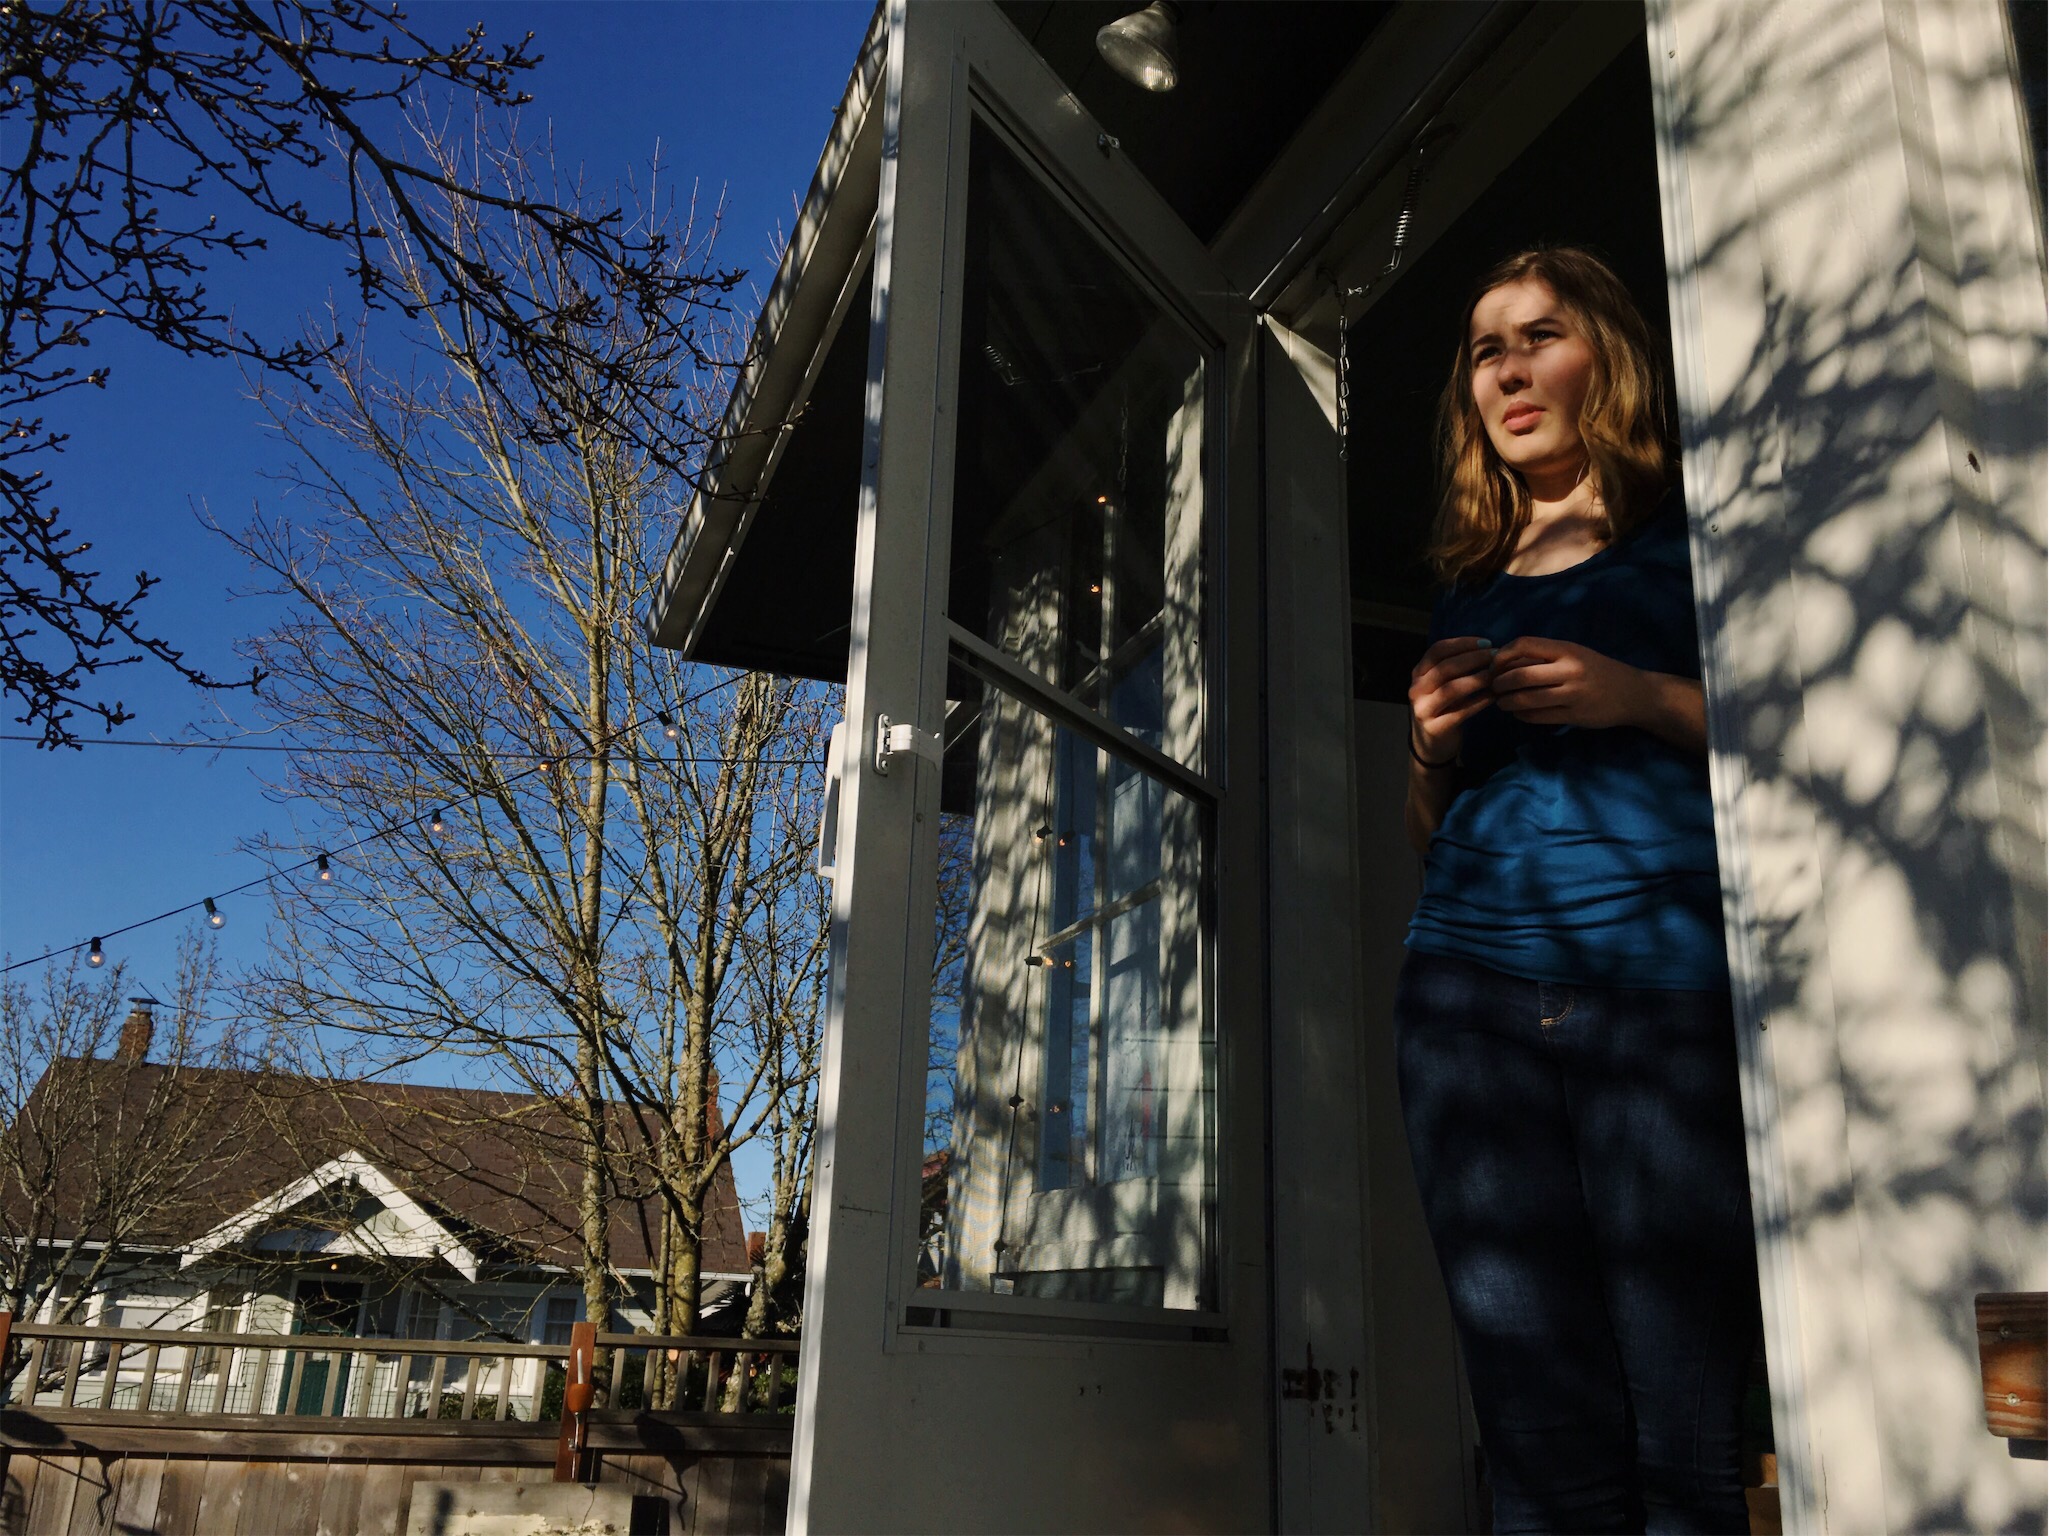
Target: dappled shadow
1864 452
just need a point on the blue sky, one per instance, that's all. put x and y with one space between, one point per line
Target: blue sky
740 97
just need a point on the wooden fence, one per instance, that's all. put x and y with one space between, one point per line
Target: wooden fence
143 1430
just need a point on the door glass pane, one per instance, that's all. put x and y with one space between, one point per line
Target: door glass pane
1070 1125
1079 462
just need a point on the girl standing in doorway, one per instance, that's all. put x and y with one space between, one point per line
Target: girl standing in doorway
1566 1051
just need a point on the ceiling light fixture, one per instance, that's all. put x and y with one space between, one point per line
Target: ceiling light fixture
1142 46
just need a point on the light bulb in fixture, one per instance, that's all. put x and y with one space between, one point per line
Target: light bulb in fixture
439 824
325 873
215 918
1142 46
671 731
97 955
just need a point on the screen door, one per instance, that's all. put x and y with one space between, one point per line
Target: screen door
1036 1292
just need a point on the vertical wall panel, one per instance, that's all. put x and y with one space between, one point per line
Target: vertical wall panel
1858 318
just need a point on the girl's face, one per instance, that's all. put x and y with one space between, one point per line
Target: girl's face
1531 368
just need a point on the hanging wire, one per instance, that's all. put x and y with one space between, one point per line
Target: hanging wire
1427 138
391 829
541 758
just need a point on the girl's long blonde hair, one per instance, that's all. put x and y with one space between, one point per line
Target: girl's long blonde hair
1622 421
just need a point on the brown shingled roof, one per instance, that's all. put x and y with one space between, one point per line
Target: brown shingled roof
498 1168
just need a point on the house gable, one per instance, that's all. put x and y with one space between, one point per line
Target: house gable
402 1228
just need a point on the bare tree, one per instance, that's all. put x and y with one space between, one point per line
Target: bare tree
144 144
784 979
619 835
108 1140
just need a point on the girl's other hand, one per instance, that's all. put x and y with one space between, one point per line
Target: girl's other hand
1450 685
1554 682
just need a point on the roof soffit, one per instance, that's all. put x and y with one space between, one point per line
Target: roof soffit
820 272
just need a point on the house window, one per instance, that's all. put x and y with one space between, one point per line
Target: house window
421 1316
490 1315
222 1312
560 1319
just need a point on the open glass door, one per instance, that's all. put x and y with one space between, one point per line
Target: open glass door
1036 1292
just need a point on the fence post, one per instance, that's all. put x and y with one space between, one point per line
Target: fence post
576 1402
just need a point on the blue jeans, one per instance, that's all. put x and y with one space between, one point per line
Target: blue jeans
1581 1158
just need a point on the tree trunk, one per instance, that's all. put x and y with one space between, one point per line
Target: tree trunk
593 1217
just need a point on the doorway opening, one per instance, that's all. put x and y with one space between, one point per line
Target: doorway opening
1588 178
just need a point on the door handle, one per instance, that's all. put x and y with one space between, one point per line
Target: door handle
829 812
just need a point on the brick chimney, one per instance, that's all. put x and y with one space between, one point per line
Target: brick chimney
137 1032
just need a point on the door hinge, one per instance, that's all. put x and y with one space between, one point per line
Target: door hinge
891 739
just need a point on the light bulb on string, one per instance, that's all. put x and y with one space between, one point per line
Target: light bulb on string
97 955
671 731
215 918
439 824
325 873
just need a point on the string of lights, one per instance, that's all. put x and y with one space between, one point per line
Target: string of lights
436 822
324 751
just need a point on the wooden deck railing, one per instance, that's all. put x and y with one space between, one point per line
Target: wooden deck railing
183 1375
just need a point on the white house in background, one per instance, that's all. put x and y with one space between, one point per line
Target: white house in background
394 1212
1087 444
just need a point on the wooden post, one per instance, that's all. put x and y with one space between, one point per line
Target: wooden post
576 1401
2013 1362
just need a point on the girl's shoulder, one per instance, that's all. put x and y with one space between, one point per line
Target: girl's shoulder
1660 539
1666 528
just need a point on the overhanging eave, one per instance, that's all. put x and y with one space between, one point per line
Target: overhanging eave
818 278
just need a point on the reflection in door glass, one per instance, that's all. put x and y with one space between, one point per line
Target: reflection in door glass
1079 464
1070 1115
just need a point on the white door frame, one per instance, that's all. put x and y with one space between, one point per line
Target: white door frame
1052 1415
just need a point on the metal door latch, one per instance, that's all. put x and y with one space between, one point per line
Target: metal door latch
891 739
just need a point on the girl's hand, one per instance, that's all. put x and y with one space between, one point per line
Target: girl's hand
1554 682
1448 687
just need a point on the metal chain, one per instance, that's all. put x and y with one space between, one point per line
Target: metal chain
1344 373
1425 140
